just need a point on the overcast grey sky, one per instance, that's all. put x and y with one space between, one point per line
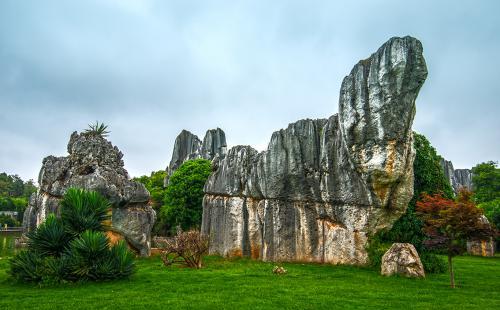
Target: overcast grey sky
152 68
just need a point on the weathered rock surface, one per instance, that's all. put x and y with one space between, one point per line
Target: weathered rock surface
188 146
94 164
458 178
485 247
403 259
324 186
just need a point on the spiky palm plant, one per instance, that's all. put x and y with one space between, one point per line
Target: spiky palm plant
73 248
98 129
83 210
50 238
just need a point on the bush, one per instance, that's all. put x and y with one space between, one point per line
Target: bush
433 263
186 248
73 248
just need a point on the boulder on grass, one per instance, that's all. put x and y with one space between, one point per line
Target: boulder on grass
403 259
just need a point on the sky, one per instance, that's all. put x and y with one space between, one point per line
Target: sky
149 69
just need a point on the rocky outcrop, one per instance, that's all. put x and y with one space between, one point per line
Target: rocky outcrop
458 178
188 146
95 164
324 186
402 259
482 247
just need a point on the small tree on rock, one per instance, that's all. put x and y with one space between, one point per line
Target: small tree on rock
448 224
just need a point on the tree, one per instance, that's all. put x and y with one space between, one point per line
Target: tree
448 224
184 196
486 182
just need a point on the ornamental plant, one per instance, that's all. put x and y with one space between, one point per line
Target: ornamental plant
73 247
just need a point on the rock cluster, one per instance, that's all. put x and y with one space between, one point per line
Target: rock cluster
324 186
95 164
458 178
188 146
402 259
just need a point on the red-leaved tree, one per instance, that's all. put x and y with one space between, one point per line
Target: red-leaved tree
448 224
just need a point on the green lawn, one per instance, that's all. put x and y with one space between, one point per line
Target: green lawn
242 283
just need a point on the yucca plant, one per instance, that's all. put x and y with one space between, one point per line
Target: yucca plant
27 266
83 210
74 247
50 238
98 129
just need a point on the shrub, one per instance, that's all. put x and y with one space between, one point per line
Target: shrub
185 248
73 248
50 238
84 210
432 262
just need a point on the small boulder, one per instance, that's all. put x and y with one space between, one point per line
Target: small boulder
403 259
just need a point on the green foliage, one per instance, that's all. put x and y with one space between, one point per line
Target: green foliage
9 221
486 182
98 129
184 195
433 263
73 248
15 193
428 178
83 210
154 184
50 238
491 210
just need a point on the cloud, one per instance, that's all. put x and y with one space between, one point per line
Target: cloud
152 68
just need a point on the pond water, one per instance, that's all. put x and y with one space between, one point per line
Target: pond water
7 243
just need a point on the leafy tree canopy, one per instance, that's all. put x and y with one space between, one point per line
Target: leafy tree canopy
486 182
184 195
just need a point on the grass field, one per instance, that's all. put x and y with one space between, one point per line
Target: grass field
242 283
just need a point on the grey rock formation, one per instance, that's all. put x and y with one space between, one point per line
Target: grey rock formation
188 146
402 259
458 178
484 247
323 187
94 164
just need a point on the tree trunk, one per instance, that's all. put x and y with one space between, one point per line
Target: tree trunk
452 274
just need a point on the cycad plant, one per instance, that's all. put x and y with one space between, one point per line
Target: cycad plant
73 247
98 129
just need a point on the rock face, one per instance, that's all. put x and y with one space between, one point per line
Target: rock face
324 186
94 164
458 178
403 259
189 146
480 247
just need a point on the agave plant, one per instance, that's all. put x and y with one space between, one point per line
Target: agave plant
98 129
83 210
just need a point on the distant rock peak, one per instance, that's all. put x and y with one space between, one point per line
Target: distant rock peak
188 146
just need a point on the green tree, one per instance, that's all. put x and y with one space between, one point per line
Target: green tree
486 182
184 195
